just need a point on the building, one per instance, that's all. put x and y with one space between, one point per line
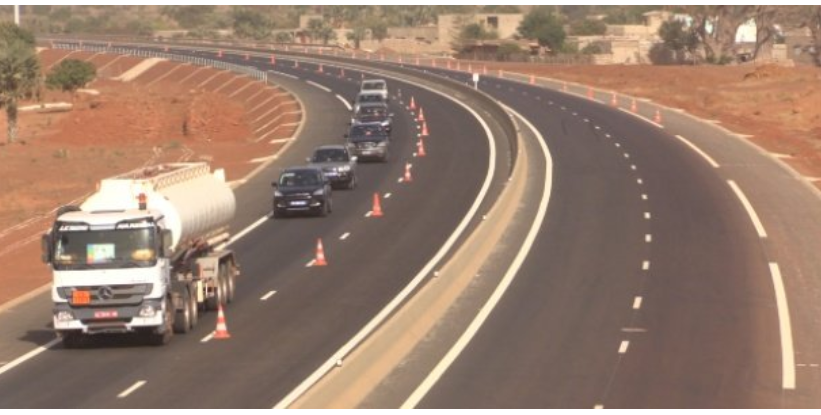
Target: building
505 25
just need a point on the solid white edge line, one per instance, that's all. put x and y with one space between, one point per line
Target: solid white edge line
641 118
345 101
422 390
131 390
785 328
30 355
322 87
698 151
208 337
287 75
360 336
759 227
267 296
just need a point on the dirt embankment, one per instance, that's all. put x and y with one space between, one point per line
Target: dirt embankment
171 112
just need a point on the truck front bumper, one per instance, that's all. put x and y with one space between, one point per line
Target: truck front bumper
120 319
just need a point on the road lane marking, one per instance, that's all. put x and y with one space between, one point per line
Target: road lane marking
645 265
322 87
623 346
599 406
267 296
131 390
345 101
699 151
647 215
387 196
627 155
208 337
285 75
618 145
785 328
632 167
310 263
439 370
759 227
648 238
626 111
607 135
344 236
637 303
30 355
639 181
643 197
369 214
247 229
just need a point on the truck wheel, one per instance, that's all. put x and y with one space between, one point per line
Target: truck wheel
161 339
213 302
231 283
195 308
223 282
182 321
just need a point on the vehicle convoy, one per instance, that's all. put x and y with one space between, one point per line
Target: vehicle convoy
142 254
337 163
369 141
303 189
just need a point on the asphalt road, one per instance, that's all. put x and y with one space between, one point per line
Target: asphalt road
277 342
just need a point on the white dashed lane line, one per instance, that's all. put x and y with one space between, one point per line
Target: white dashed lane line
645 266
785 329
268 295
623 346
648 238
387 196
643 197
647 215
639 181
637 303
207 338
344 236
131 390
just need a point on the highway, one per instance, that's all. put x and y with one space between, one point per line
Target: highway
653 281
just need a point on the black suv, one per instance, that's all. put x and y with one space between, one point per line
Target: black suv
302 190
374 113
369 141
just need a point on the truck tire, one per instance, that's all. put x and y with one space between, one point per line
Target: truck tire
212 303
182 321
231 283
161 339
223 283
195 308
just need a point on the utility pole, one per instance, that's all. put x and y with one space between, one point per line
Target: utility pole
17 15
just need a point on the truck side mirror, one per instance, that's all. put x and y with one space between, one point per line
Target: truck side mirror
167 241
45 243
354 159
274 185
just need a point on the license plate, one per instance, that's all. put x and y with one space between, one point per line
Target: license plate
367 152
299 203
105 314
81 298
331 174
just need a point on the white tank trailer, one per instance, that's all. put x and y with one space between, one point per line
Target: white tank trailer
144 254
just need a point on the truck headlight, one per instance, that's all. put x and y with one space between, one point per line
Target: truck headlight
147 310
277 193
65 316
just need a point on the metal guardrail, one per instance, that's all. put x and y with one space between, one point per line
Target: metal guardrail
193 60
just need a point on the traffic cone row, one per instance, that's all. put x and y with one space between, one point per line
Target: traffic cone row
590 92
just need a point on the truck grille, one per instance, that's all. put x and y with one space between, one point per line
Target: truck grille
111 295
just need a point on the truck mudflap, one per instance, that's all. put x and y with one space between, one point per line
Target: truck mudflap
122 319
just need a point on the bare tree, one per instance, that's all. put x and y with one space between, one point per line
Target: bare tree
717 27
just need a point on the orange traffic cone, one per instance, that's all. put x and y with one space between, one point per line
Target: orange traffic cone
219 54
408 178
657 118
424 129
320 255
376 212
501 74
458 66
448 62
320 69
614 101
470 68
564 86
633 106
247 57
296 64
532 80
382 57
590 92
273 60
222 330
412 104
421 116
165 49
399 59
342 72
484 70
433 63
420 148
417 61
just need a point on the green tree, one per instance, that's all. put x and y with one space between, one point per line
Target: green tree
587 27
251 24
501 9
71 75
379 29
545 27
507 50
19 72
679 39
283 37
357 34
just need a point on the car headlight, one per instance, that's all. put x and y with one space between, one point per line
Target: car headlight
147 310
345 168
277 193
382 144
319 192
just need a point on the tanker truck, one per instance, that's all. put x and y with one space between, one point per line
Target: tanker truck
144 254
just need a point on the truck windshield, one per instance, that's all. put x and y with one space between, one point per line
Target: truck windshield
105 249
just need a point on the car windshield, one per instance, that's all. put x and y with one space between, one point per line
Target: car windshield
365 130
370 98
300 178
82 247
330 155
375 110
373 85
370 118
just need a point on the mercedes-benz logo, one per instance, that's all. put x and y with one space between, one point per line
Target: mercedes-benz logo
105 293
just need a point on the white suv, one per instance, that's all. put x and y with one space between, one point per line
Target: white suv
375 86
